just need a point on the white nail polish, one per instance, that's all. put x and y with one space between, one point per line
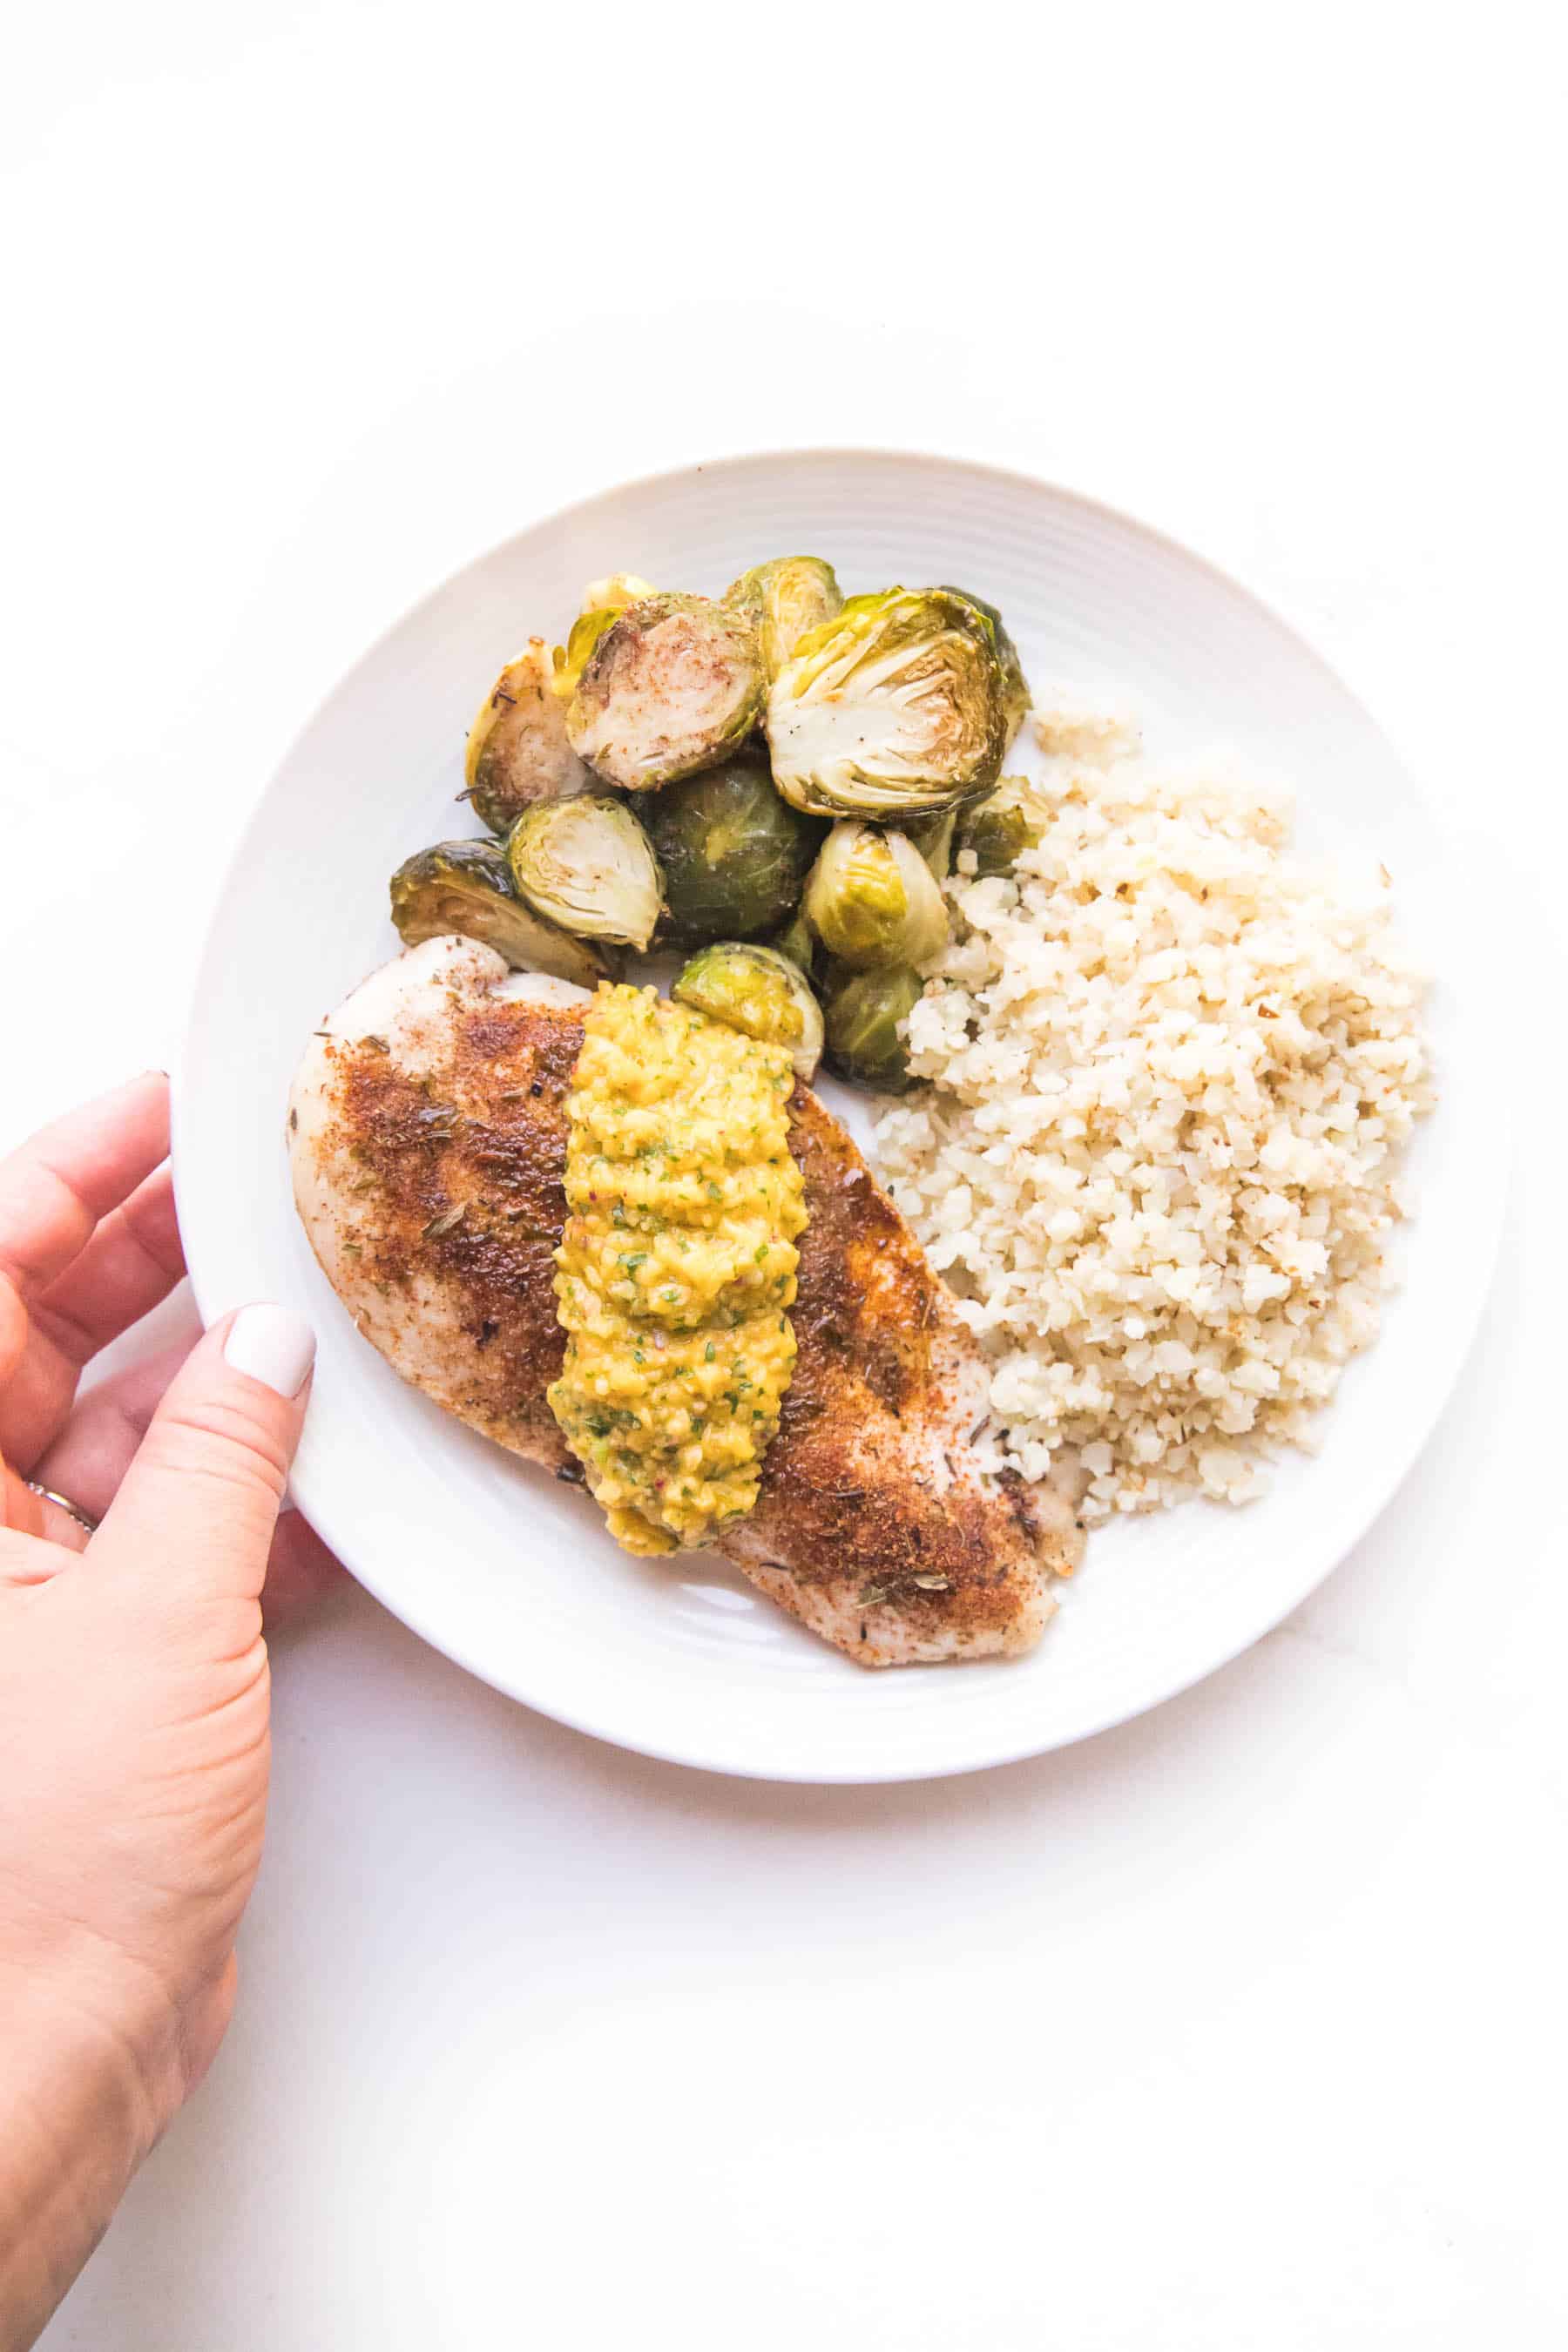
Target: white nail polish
273 1345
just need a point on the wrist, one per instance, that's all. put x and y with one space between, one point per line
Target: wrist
85 2091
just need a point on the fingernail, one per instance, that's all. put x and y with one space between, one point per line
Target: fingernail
271 1344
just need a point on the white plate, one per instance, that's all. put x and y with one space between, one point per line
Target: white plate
507 1572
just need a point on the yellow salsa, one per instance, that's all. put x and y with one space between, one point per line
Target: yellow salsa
677 1268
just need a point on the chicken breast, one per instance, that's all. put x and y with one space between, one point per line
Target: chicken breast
428 1134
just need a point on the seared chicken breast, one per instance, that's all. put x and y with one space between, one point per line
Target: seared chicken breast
427 1135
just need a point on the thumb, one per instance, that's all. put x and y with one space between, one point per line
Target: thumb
196 1509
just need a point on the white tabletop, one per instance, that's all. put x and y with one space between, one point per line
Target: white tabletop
1239 2027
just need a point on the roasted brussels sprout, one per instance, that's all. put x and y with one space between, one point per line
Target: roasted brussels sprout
785 598
672 685
862 1011
894 708
797 940
734 855
1016 695
759 991
872 899
517 753
466 886
585 863
999 827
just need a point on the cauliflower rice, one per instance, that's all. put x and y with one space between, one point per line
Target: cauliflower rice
1169 1077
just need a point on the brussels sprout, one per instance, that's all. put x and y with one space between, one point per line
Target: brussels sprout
585 863
785 598
672 685
863 1009
1016 695
894 708
465 886
872 899
517 753
797 940
999 827
734 855
759 992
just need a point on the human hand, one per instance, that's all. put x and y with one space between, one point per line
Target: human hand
133 1676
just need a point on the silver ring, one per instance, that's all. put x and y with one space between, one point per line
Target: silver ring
62 1503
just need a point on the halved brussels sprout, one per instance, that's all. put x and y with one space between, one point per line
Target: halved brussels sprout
785 598
585 863
466 886
999 827
756 989
672 685
894 708
734 855
862 1011
1016 695
517 753
872 899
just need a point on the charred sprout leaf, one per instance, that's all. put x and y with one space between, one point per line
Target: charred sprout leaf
785 598
758 990
797 940
674 684
997 828
517 753
872 899
1016 695
861 1011
585 863
893 709
734 855
467 887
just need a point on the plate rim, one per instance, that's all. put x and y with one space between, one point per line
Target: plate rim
1376 1499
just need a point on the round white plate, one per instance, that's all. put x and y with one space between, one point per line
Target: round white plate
509 1573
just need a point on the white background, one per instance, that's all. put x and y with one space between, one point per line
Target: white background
1240 2027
